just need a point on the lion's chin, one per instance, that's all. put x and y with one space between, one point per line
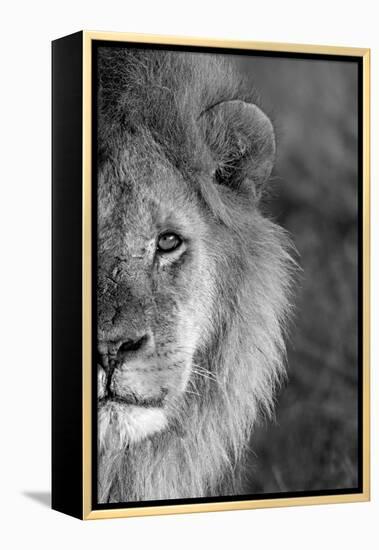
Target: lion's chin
121 424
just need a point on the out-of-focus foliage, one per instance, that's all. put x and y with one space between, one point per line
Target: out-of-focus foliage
312 445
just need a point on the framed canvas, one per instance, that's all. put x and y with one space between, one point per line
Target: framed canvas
210 275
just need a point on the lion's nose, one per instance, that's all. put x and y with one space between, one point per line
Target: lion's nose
115 351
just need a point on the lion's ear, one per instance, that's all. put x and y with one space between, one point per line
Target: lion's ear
241 140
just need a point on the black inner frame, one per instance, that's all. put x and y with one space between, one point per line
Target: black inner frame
261 53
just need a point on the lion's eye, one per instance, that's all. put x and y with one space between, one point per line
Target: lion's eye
168 242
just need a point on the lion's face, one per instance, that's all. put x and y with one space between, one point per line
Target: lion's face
154 293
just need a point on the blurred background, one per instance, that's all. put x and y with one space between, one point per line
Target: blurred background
312 444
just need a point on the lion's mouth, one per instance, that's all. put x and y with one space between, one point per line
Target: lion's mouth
128 387
133 399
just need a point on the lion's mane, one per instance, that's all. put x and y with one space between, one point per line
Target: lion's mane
234 379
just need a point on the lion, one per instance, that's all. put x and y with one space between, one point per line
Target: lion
193 280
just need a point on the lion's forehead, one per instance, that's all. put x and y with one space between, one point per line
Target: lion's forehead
134 205
137 220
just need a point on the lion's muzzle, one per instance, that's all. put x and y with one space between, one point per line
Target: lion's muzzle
132 389
128 372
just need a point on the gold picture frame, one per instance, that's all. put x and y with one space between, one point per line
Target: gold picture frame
85 509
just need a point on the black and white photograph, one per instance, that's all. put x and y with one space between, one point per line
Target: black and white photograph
189 237
227 274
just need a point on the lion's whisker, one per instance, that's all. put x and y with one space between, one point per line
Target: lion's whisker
192 393
203 375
